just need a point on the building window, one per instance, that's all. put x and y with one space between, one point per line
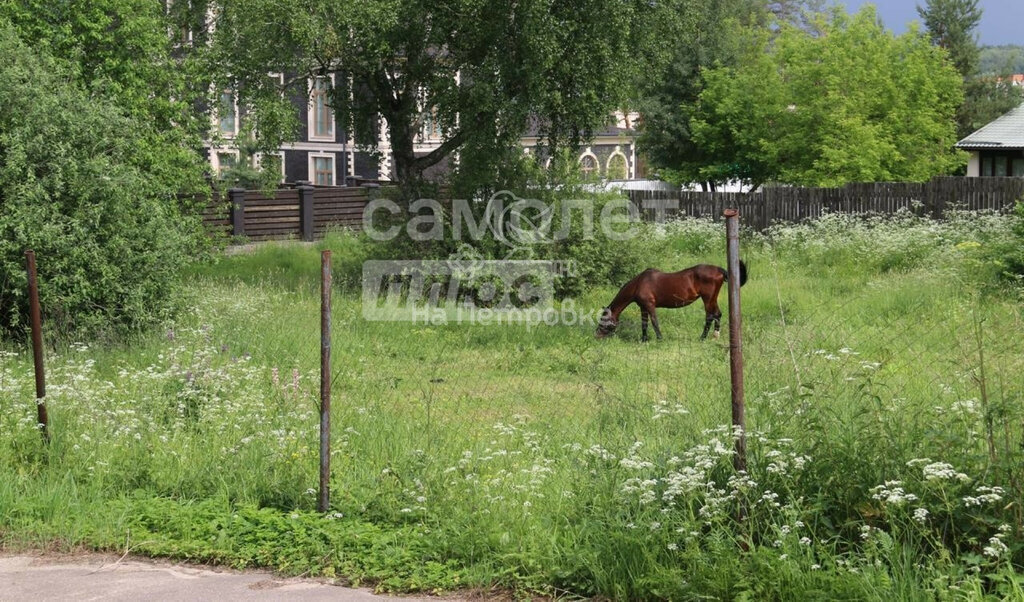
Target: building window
1001 165
321 170
321 117
588 165
617 167
431 128
273 162
223 161
227 114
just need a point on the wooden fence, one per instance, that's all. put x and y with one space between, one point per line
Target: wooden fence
306 212
790 204
303 213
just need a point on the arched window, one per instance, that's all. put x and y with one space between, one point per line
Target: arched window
617 169
588 165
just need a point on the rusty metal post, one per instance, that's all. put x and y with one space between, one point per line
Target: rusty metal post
35 316
325 381
732 233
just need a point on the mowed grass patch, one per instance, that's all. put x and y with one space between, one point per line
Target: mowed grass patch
540 459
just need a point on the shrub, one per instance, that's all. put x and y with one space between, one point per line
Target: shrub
565 227
82 185
563 221
1014 248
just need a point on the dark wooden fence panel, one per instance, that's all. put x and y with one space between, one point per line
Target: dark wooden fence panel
792 204
279 216
272 217
216 214
338 207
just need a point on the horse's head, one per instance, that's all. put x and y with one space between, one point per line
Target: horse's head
606 324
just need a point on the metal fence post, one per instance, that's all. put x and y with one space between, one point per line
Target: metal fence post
306 211
324 500
35 316
237 198
739 422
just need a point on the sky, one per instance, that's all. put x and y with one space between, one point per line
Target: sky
1002 21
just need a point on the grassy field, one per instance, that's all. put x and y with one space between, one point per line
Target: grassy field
885 432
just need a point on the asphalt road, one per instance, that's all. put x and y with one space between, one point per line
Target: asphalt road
102 577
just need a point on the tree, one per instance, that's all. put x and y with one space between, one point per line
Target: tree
704 38
737 115
120 50
852 104
951 24
1000 60
81 183
482 70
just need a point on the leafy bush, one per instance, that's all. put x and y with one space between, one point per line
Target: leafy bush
83 185
1013 250
535 215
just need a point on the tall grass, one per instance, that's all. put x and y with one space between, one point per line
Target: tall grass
542 460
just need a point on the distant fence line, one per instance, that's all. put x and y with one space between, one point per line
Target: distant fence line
304 212
307 212
794 204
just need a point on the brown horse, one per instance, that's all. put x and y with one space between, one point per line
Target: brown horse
653 288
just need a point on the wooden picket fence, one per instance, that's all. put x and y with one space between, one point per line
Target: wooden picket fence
794 204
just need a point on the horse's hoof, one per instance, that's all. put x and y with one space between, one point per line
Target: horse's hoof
717 334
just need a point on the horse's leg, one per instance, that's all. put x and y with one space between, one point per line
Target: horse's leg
712 315
654 321
643 324
707 326
717 311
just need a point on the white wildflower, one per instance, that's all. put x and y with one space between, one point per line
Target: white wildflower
940 471
995 547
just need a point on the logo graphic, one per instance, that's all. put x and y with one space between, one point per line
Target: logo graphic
441 292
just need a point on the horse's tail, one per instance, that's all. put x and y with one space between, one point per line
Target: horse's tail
743 273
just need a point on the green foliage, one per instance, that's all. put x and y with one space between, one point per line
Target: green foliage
120 50
998 60
951 25
90 190
699 41
1009 254
301 542
479 71
851 104
251 171
985 99
570 223
542 461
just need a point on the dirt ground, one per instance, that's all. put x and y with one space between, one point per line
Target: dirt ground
37 576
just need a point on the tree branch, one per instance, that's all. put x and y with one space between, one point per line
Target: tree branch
435 156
